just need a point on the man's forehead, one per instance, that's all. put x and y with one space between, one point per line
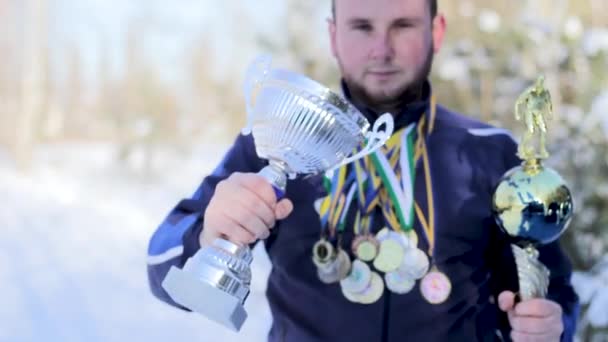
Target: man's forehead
381 9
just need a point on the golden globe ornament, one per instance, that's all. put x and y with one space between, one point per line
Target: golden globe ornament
532 203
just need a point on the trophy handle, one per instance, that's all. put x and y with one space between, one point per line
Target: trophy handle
533 276
275 174
376 138
255 75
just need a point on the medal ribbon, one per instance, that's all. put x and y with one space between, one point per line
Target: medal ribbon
367 187
335 206
398 197
428 225
335 200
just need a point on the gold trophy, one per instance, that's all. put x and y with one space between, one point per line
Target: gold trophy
532 203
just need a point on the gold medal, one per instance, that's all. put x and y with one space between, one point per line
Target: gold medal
381 235
358 279
415 263
435 287
365 247
323 253
399 282
402 238
390 256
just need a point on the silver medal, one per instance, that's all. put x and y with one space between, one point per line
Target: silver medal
399 281
415 263
336 270
358 279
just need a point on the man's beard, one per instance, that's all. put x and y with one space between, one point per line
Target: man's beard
405 94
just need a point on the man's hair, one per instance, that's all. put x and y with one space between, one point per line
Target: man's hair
432 4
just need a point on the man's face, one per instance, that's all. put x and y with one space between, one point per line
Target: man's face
383 47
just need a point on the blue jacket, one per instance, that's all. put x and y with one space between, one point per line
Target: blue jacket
467 161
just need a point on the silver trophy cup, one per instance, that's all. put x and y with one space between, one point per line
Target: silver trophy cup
300 127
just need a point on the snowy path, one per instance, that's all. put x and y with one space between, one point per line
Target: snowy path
73 239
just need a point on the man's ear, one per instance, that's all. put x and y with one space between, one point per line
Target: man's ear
331 28
439 27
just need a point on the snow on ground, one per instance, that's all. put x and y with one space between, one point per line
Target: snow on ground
73 239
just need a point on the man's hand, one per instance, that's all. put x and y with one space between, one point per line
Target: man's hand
532 320
242 210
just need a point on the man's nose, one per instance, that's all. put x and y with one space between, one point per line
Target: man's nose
382 47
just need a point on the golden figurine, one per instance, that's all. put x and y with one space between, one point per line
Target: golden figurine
532 203
534 107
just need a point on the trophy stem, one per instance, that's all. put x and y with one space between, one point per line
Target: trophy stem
275 173
533 275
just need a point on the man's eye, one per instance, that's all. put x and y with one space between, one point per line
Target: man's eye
404 25
363 27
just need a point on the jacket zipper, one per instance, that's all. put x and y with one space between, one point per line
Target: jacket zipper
385 313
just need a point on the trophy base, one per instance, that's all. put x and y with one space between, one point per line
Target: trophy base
197 295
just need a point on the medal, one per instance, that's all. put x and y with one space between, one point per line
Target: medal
336 270
435 287
365 247
391 251
327 276
351 296
399 282
412 237
323 253
381 235
374 291
329 273
358 279
401 237
344 264
415 263
390 256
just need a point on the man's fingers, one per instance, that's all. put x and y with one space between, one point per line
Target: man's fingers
248 220
517 336
256 207
236 233
243 209
258 185
506 301
533 325
538 307
536 320
283 209
207 237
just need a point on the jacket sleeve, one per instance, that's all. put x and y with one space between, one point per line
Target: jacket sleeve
551 255
176 238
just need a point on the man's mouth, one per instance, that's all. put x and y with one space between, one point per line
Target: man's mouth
382 74
383 71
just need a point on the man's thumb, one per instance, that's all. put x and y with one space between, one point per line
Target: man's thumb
283 209
206 237
506 301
